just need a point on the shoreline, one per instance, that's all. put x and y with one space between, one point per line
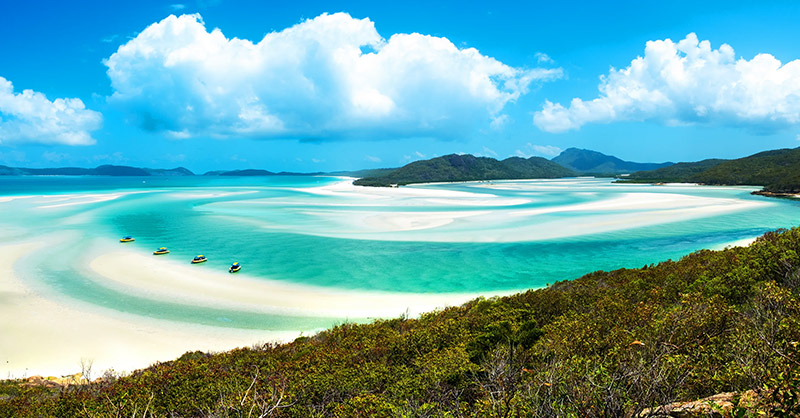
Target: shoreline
48 337
52 336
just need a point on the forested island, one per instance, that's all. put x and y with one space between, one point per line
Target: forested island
466 167
778 171
616 343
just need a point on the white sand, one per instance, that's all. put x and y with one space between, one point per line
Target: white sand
416 195
498 223
53 336
163 279
49 337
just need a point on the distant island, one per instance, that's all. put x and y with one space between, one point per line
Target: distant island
595 163
466 167
103 170
128 171
778 171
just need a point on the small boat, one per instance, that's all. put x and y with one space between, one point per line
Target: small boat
235 267
162 250
199 259
127 238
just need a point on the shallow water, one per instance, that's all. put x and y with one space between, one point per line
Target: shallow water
467 237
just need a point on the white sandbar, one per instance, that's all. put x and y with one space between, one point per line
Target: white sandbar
162 279
49 337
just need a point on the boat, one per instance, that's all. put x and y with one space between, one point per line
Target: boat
199 259
162 250
127 238
235 267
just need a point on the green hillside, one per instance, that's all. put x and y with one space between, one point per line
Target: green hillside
677 173
606 344
455 167
778 171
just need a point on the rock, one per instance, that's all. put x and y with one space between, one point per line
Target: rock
717 405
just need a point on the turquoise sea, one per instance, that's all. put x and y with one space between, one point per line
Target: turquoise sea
479 237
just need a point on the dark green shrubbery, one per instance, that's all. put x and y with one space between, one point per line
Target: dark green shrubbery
606 344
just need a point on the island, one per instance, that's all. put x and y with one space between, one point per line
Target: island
777 171
466 167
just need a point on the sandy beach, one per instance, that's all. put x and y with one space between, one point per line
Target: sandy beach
162 279
48 337
50 333
487 217
54 337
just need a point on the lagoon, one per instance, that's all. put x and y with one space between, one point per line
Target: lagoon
315 251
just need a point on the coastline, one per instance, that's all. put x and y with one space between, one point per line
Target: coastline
51 336
44 336
48 337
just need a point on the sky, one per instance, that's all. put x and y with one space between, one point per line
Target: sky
344 85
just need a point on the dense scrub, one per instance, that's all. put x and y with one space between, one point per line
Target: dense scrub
606 344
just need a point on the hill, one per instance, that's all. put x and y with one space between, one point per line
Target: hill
103 170
455 167
778 171
593 162
678 173
606 344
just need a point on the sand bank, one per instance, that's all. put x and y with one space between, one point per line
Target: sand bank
162 279
497 222
51 337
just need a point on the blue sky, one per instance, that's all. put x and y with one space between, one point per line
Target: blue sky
321 86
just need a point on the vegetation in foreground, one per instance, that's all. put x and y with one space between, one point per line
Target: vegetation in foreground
606 344
455 167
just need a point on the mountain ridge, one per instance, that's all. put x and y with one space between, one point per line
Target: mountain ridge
467 167
593 162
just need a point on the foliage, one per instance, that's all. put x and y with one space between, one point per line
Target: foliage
606 344
778 171
466 167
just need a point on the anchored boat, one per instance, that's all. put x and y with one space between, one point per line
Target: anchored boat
199 259
235 267
160 251
127 238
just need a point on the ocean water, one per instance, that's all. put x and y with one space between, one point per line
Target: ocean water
478 237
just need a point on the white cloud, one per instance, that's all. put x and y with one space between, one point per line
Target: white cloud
688 82
539 150
177 6
29 117
419 154
372 158
489 152
328 77
543 58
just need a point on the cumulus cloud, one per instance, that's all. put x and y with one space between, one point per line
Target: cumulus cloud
540 150
333 76
688 82
29 117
